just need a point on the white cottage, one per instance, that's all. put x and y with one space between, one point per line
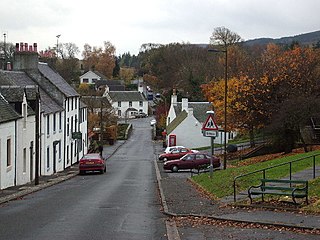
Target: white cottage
184 124
8 130
127 103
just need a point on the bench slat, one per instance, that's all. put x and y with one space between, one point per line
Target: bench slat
282 181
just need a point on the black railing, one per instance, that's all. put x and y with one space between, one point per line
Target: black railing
263 171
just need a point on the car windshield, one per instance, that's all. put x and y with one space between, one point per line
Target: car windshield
91 156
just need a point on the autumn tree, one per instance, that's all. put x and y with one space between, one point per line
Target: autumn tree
68 64
180 66
100 59
269 92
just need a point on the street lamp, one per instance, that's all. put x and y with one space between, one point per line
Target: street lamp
59 35
225 102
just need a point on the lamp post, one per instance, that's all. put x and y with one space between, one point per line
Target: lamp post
225 51
59 35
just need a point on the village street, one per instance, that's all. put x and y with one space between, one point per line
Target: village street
121 204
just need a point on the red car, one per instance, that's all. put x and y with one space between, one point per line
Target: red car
191 161
175 153
92 162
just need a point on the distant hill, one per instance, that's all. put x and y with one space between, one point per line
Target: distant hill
303 39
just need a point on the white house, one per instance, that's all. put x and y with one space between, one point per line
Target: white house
127 103
22 98
184 123
91 77
8 137
61 115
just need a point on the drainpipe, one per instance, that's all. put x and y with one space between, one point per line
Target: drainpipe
65 133
15 153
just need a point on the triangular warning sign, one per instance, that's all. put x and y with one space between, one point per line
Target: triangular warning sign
210 124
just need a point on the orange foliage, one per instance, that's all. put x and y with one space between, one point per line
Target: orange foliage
256 91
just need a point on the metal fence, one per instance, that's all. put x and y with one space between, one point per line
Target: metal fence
263 171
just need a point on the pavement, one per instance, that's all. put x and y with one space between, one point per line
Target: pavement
180 197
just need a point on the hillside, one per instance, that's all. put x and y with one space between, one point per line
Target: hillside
304 39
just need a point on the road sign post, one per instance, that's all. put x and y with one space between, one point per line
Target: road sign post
209 129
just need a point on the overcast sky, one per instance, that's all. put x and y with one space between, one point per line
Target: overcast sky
128 24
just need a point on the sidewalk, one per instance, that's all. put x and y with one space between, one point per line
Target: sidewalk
180 198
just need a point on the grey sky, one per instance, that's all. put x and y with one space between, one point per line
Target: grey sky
128 24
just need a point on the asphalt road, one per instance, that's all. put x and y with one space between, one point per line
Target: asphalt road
121 204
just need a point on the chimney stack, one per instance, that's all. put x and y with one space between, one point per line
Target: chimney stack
25 58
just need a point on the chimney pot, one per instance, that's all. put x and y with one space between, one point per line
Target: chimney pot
35 47
21 47
17 47
30 48
26 47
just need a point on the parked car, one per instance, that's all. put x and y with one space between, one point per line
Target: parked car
141 115
191 161
92 162
153 122
175 153
169 149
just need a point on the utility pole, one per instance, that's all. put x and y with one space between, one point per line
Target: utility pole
4 52
37 160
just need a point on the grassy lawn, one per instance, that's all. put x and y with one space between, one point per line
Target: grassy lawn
221 184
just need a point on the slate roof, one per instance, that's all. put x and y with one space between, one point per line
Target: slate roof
199 109
57 80
100 74
114 85
14 95
96 101
126 96
180 117
7 112
17 78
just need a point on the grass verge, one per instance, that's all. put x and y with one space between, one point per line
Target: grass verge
221 184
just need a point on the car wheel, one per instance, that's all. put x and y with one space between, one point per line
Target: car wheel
105 169
175 168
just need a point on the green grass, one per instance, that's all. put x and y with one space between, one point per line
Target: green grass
221 184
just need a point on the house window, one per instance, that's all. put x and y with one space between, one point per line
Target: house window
71 104
75 122
71 152
68 130
72 125
68 159
59 149
85 80
119 104
24 114
94 80
76 103
54 122
68 105
9 152
24 160
48 158
48 125
140 103
60 121
119 113
130 104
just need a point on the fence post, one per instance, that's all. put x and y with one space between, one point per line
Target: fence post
234 191
314 166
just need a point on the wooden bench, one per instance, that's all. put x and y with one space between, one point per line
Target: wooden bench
292 188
